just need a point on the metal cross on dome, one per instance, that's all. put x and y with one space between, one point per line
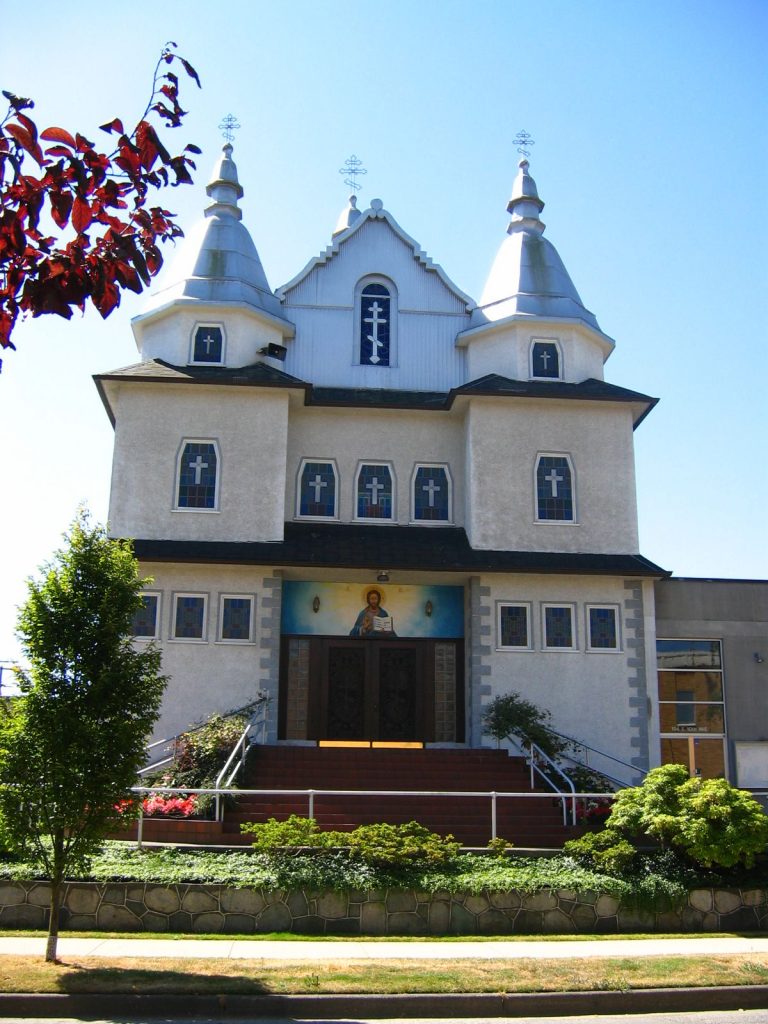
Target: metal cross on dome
352 168
523 141
228 127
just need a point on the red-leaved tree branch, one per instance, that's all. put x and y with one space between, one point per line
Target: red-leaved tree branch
99 200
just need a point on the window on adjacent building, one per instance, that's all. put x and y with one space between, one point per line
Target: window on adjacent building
145 619
554 489
189 616
692 705
317 490
375 336
513 627
545 360
208 344
431 494
236 618
602 628
558 627
198 475
374 492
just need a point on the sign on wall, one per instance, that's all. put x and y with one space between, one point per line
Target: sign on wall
372 610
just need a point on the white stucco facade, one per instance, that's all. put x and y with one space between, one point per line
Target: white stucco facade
368 424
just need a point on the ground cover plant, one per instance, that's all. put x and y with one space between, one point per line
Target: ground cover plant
657 879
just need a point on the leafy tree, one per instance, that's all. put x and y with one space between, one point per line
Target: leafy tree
101 197
709 820
72 743
509 714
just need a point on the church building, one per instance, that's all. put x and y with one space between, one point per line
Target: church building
380 501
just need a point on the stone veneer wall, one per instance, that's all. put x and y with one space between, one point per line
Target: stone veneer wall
135 906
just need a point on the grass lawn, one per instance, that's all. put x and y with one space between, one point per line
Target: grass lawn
219 977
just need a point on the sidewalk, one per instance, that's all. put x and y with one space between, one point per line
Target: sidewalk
268 949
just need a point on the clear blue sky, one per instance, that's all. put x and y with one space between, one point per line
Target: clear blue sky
651 154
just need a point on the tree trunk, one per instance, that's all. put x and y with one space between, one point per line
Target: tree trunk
53 921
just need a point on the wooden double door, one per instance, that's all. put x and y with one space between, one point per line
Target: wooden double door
389 689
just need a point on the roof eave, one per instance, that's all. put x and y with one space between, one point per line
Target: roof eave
370 215
281 324
463 338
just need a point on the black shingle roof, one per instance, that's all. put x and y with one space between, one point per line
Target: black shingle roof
263 375
353 546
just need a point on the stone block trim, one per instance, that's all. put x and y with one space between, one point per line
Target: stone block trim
269 643
637 676
481 627
196 909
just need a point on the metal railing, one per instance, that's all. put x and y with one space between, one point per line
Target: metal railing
171 743
587 748
311 794
536 755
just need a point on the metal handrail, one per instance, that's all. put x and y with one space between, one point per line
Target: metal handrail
536 751
595 750
493 795
255 725
240 744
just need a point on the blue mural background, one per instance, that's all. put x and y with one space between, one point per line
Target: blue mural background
340 604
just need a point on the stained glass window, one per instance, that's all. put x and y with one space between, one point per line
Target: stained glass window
375 325
208 344
431 494
374 492
554 488
197 475
513 626
189 617
145 618
236 613
545 360
317 490
558 626
603 629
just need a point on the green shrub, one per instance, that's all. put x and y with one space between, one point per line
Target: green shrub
709 820
397 846
510 715
382 845
606 851
294 832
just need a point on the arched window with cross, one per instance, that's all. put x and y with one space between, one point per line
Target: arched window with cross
376 322
198 475
208 344
431 494
554 489
317 490
546 362
374 499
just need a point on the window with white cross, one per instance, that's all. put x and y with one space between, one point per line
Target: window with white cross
198 475
554 489
431 495
317 490
374 492
545 360
375 325
208 344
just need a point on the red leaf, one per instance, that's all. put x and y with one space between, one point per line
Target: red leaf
81 214
25 140
113 126
190 71
107 298
29 124
61 205
58 135
58 151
